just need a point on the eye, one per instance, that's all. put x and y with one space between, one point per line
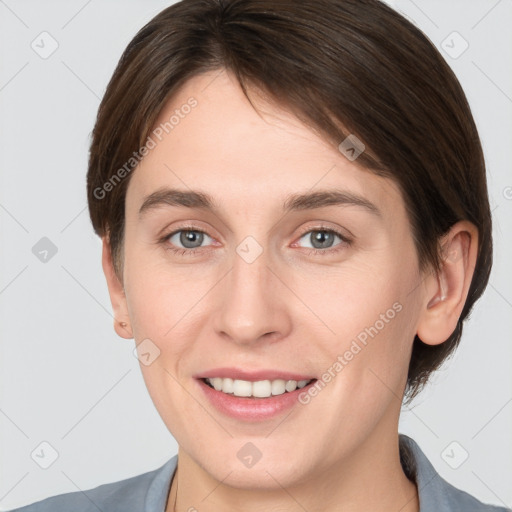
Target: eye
322 240
189 241
185 241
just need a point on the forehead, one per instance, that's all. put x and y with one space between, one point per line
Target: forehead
257 157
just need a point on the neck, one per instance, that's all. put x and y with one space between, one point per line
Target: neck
371 478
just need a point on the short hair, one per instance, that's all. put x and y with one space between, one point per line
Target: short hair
342 67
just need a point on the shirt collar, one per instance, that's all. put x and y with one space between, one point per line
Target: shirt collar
431 487
433 492
156 497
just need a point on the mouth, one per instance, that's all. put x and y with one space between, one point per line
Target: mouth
253 395
261 389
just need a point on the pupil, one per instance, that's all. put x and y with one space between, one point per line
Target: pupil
323 237
188 237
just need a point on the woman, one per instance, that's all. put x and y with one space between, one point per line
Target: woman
294 248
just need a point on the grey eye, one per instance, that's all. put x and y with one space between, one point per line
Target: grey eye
189 239
321 238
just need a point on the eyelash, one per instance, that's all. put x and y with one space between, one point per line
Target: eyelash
345 241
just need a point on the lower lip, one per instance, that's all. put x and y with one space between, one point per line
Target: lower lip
252 409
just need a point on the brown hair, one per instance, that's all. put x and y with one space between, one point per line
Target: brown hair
341 66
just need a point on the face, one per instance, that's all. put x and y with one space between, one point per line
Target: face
263 286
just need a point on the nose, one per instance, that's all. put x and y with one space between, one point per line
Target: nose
253 303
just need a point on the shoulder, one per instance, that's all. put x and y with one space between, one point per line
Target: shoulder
144 492
435 493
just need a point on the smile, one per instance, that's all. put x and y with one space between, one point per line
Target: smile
257 389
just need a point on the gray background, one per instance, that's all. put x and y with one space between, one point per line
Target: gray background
68 380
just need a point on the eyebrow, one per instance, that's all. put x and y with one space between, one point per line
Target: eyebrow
294 202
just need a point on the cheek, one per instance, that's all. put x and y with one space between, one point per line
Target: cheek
167 305
359 301
161 297
368 326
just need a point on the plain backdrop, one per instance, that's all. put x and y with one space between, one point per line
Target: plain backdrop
67 379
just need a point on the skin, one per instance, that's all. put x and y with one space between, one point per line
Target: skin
288 309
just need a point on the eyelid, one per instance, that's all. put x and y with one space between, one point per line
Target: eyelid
188 227
324 227
345 244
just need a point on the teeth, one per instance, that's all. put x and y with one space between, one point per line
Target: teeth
258 389
278 387
261 389
227 385
216 383
242 388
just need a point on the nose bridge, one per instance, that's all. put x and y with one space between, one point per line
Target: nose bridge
250 306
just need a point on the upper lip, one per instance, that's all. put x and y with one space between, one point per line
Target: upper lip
251 376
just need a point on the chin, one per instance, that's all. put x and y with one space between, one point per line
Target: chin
241 465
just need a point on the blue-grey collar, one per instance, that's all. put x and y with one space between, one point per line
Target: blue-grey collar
435 494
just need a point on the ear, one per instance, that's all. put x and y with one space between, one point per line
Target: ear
122 324
446 291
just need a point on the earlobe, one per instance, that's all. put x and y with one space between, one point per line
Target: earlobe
122 324
447 290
